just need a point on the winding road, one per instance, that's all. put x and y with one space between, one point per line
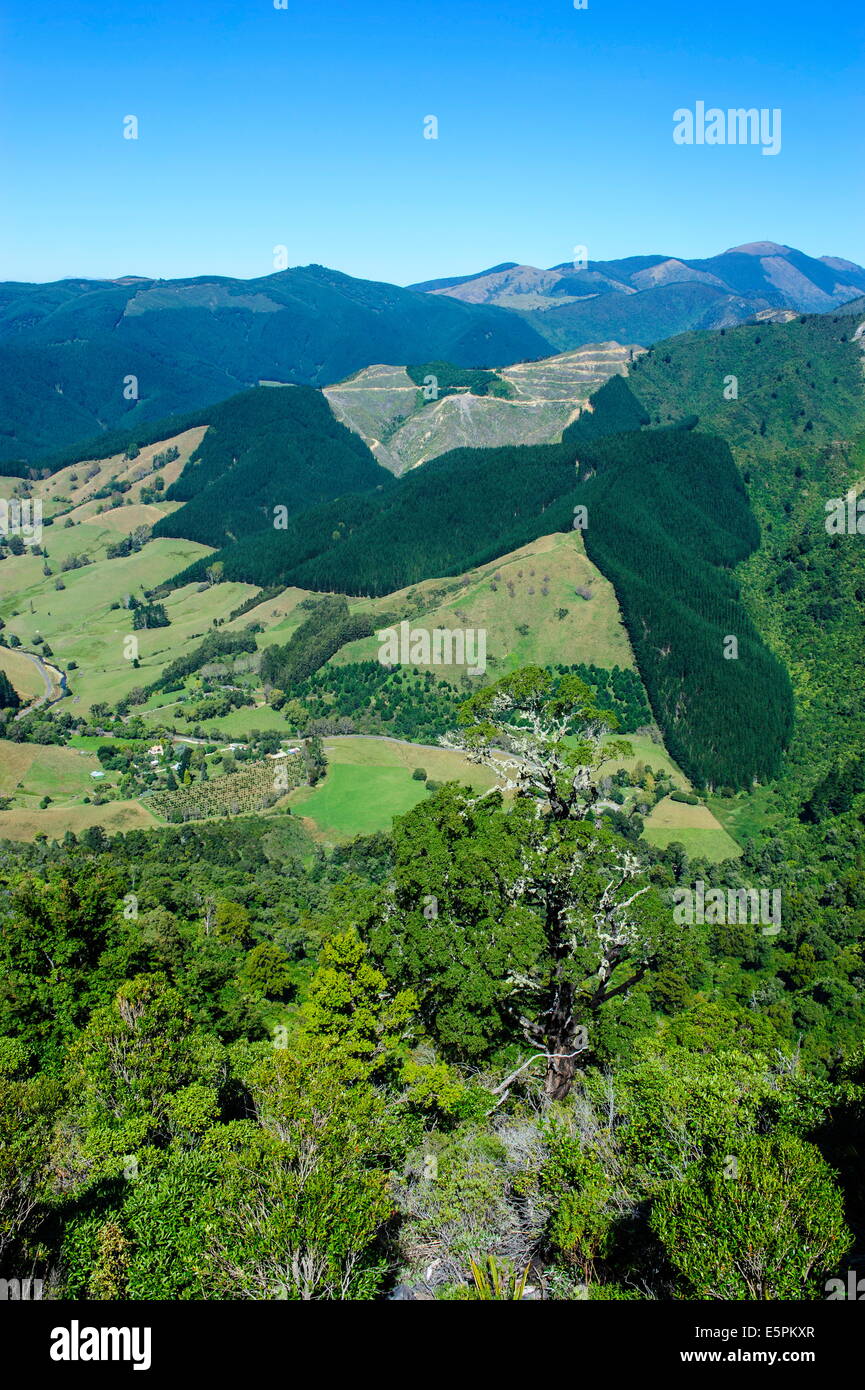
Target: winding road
50 681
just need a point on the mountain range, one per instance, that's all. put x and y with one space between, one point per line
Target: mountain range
80 358
640 299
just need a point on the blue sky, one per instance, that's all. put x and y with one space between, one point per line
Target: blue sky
303 127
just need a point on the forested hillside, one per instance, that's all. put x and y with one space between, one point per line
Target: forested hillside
244 1045
78 357
459 510
790 401
668 521
267 454
668 518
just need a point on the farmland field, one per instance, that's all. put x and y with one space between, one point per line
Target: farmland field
235 725
528 605
651 754
115 817
253 787
369 782
29 771
695 827
22 673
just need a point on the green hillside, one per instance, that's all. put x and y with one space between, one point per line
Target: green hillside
267 454
797 434
458 511
668 518
66 348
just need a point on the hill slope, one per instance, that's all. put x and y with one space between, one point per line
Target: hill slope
68 349
644 298
668 519
797 433
266 449
385 407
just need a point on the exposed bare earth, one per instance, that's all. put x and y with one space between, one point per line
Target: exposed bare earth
383 405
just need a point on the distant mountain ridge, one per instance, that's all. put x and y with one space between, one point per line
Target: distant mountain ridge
80 358
643 298
764 268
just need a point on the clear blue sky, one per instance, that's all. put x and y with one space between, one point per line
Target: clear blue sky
304 127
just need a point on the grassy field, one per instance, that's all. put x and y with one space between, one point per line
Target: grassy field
507 600
692 826
504 598
90 742
79 623
72 487
236 725
369 781
115 817
650 754
748 815
22 673
29 771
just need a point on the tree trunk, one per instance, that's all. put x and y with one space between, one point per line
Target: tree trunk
560 1074
561 1065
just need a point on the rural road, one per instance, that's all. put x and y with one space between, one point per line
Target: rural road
58 679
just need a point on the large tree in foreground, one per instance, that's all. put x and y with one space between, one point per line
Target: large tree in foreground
520 921
542 737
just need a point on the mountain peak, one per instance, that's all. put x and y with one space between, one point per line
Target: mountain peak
759 248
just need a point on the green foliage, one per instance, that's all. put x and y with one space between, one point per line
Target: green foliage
9 697
368 698
495 1282
771 1231
539 898
328 627
147 615
668 519
253 787
615 410
267 971
803 588
169 1129
29 1104
214 646
619 691
265 450
451 379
